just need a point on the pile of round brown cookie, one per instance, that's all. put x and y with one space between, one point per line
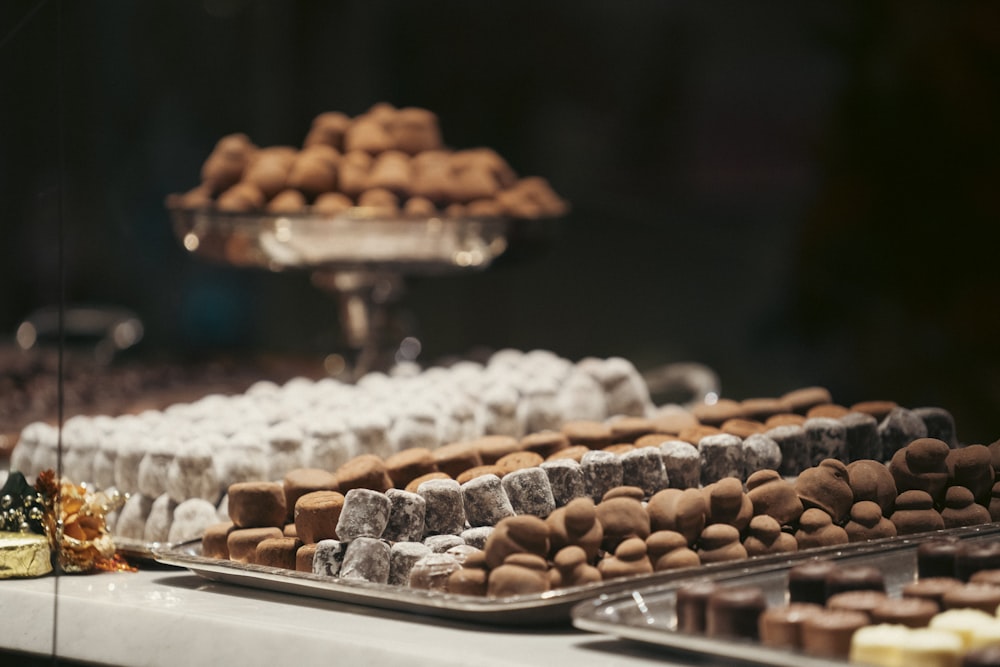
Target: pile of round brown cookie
391 160
594 500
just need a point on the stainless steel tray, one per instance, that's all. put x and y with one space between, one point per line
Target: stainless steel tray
550 608
647 614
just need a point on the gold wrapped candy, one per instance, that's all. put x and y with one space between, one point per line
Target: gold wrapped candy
24 555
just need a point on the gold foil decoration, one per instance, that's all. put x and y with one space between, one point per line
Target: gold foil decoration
24 555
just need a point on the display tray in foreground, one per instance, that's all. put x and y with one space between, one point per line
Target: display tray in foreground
648 614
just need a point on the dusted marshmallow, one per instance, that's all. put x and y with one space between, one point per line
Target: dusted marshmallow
191 518
131 523
432 571
442 543
154 467
644 468
161 517
328 558
365 513
861 433
682 462
602 471
402 557
794 445
827 439
898 429
406 516
366 558
721 456
760 453
565 480
445 510
476 537
529 492
485 501
939 423
285 451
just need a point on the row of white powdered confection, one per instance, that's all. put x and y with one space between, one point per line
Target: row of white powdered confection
196 450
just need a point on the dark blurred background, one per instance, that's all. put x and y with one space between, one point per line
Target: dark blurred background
791 193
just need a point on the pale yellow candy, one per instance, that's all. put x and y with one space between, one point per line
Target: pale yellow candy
880 645
985 634
961 622
932 648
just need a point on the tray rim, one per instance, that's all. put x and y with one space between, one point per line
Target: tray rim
555 607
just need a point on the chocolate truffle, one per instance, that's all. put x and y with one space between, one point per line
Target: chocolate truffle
871 480
572 568
734 612
915 513
972 467
576 524
277 552
304 558
816 529
774 496
629 558
961 509
669 550
921 465
764 536
622 518
685 512
520 574
807 581
720 542
781 626
213 540
826 487
727 503
828 633
691 603
242 542
317 515
517 534
867 523
257 504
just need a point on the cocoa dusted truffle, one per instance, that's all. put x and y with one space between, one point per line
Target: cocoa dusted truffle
727 503
774 496
629 558
571 567
972 467
257 504
520 574
317 514
278 552
764 536
517 534
669 550
867 523
685 512
961 509
622 518
816 529
922 465
576 524
720 542
242 542
826 487
915 513
871 480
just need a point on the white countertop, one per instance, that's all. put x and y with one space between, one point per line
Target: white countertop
172 617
